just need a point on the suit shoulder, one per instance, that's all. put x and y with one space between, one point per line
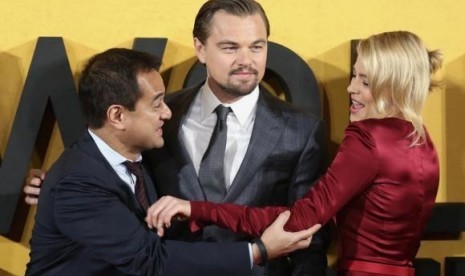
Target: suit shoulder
176 96
74 161
288 108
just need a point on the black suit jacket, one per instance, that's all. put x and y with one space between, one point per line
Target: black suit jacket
88 222
286 154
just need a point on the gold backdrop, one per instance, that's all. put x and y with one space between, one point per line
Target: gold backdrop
319 31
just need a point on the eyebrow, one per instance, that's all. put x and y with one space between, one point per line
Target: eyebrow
361 75
228 42
158 96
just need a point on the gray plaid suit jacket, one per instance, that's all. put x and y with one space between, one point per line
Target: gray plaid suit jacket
286 154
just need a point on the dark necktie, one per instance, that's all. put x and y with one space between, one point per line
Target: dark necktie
136 169
211 172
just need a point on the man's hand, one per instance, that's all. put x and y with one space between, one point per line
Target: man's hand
279 242
32 186
159 215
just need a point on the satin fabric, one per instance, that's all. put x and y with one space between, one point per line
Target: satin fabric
379 190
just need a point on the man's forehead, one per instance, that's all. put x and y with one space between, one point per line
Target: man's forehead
152 81
225 24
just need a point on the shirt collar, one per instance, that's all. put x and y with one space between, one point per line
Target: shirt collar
112 156
242 108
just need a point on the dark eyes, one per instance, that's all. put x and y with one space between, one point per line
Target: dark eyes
231 49
157 104
257 48
365 83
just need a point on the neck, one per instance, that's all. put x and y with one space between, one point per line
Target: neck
113 139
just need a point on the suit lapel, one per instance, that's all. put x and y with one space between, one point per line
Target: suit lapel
180 106
152 195
268 127
88 146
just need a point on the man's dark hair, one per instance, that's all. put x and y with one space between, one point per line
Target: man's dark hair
233 7
111 78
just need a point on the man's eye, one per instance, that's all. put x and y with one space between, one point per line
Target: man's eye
229 49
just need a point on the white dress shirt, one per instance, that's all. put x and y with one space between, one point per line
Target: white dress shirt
116 161
200 122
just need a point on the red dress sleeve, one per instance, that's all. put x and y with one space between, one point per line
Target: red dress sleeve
352 171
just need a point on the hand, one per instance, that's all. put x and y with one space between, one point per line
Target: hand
279 242
32 186
159 215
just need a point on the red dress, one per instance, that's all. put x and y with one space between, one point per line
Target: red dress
380 191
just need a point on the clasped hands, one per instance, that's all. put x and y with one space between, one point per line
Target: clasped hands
277 241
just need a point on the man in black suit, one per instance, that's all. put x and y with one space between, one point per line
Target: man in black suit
274 152
90 217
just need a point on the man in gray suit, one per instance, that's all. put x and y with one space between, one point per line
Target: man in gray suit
273 151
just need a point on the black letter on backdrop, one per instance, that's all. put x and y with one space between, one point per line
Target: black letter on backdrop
49 84
154 46
295 76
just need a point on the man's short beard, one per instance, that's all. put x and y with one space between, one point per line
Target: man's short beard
235 91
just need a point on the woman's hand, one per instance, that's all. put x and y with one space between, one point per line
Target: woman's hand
160 214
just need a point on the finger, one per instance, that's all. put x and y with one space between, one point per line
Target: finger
156 209
31 191
167 213
147 216
148 219
171 213
178 210
153 212
160 232
35 181
31 200
281 220
37 173
304 243
314 228
308 233
165 218
151 216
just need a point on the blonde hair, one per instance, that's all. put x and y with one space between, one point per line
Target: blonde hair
400 69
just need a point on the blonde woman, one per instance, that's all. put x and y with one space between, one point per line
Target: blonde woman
380 188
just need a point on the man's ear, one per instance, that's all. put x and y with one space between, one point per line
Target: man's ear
199 50
116 116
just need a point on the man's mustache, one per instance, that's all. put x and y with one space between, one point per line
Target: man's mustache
244 70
